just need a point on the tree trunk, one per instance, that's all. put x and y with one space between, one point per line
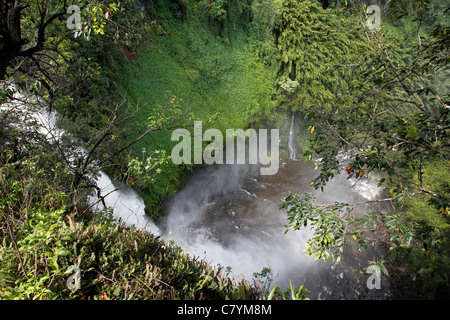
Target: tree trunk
11 40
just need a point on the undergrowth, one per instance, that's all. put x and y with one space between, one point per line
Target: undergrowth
44 243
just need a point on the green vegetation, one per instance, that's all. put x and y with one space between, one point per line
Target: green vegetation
126 78
221 80
317 50
394 121
40 241
47 227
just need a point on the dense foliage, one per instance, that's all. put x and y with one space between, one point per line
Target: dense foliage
48 231
131 71
225 80
317 50
392 121
41 242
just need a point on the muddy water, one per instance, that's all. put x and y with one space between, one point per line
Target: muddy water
230 216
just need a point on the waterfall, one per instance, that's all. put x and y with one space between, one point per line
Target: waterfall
291 140
31 115
230 216
128 206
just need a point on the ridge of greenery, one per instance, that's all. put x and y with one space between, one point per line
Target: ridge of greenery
47 228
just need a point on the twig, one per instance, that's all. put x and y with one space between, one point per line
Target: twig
15 247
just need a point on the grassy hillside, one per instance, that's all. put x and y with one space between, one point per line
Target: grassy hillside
223 85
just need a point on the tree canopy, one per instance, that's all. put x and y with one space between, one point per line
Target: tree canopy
317 53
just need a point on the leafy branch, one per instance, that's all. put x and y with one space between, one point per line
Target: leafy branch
332 225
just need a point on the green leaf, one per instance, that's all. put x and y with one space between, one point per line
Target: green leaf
272 292
412 132
292 290
62 252
383 269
